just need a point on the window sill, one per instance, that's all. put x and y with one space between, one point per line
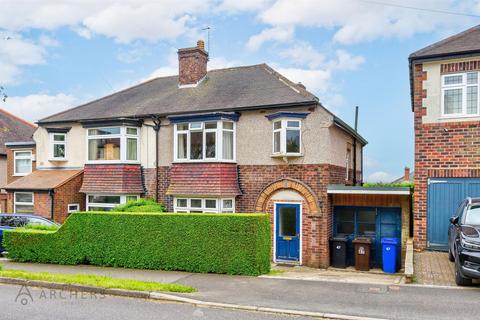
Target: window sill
21 174
113 162
58 160
459 116
205 161
286 155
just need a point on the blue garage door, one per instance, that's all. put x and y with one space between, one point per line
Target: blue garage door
444 196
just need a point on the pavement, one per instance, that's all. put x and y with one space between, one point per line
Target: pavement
376 300
51 304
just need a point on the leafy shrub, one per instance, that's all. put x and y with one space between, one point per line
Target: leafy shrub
218 243
36 226
140 205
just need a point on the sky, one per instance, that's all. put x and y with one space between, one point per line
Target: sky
55 55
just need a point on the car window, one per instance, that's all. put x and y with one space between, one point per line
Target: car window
39 221
7 221
460 210
473 215
20 222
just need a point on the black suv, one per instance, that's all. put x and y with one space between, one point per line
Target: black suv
464 241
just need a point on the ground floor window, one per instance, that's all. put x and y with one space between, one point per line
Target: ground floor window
204 205
102 202
23 202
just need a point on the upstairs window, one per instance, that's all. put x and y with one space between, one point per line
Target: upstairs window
22 162
287 137
113 144
58 142
460 94
204 141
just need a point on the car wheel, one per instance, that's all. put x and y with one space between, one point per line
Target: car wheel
451 257
459 279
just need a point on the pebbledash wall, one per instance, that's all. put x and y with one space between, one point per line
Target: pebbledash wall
443 147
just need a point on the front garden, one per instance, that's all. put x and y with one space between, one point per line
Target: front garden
216 243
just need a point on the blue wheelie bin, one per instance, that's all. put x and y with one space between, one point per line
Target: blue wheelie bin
389 254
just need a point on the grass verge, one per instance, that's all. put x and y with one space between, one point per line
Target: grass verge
275 272
97 281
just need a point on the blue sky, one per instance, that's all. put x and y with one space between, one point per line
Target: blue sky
348 52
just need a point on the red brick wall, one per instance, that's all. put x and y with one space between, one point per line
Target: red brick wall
41 203
67 194
10 165
441 150
192 65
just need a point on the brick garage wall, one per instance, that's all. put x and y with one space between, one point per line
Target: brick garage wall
442 150
67 194
163 183
10 163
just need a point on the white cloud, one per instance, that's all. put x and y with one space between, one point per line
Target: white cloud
46 41
233 6
123 21
357 21
346 61
380 177
37 106
302 53
277 34
315 80
15 53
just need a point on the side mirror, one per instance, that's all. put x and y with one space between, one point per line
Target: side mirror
454 220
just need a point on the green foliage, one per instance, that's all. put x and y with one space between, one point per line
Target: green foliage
97 281
140 205
410 185
36 226
217 243
1 267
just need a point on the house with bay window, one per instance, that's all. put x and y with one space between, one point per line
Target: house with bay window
243 139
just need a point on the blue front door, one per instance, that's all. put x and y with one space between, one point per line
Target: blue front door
287 237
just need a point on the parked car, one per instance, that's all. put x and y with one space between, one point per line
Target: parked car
464 241
13 221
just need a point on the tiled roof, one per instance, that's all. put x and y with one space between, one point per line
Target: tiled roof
43 180
464 42
115 179
204 179
14 129
222 90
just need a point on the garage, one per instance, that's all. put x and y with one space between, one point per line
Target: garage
444 196
374 213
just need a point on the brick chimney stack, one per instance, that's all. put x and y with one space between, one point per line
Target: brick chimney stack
406 175
192 64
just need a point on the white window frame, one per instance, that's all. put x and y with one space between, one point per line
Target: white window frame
15 158
218 208
15 202
77 207
123 143
53 143
283 136
218 141
123 200
463 86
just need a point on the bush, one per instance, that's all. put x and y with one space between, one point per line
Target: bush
140 205
218 243
36 226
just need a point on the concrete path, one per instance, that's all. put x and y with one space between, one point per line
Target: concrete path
358 299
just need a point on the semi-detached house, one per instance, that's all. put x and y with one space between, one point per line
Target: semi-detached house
242 139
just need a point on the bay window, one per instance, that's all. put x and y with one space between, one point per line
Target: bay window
58 143
101 202
23 202
22 162
460 94
113 144
204 141
204 205
287 137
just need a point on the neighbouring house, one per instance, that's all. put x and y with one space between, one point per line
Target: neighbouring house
406 178
13 130
243 139
444 80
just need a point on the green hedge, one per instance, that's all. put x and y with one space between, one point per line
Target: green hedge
217 243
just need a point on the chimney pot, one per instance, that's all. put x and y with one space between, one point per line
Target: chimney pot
201 44
406 176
